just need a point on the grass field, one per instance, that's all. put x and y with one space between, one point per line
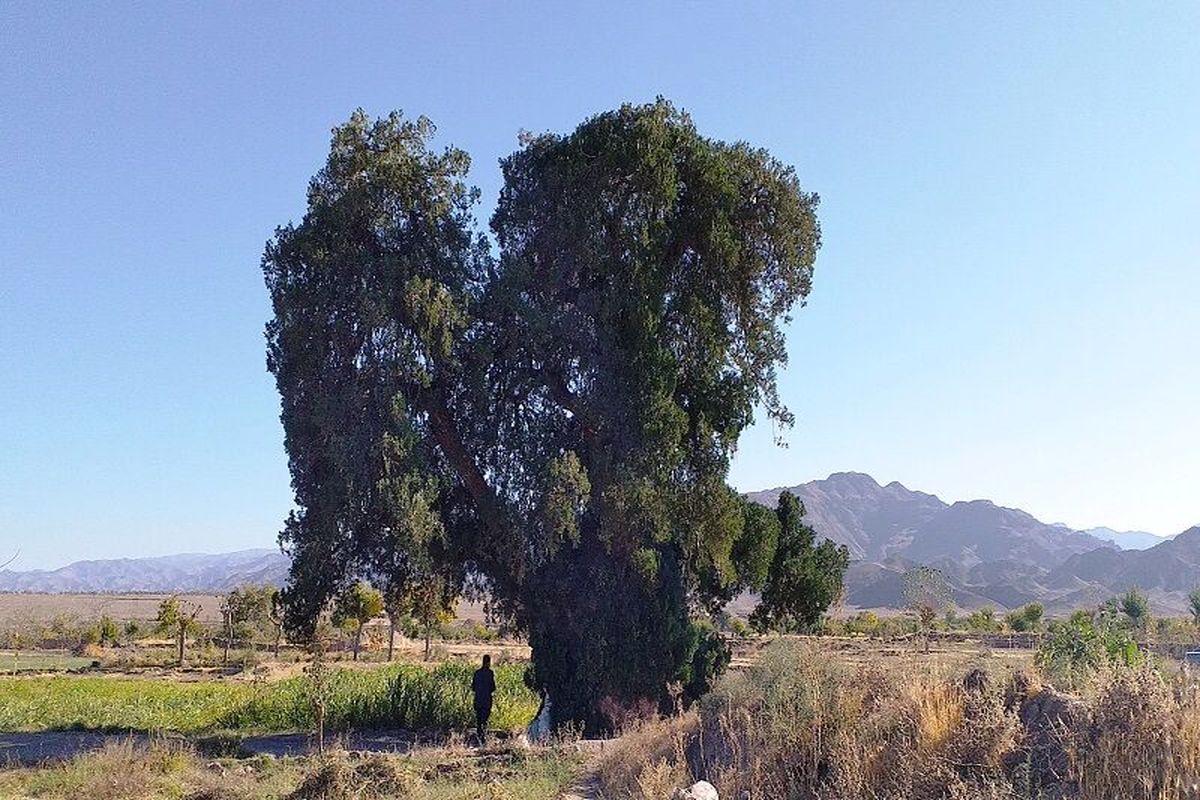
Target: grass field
395 696
40 661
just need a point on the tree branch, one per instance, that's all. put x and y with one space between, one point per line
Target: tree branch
445 435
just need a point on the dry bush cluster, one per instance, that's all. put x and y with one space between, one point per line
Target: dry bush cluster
799 725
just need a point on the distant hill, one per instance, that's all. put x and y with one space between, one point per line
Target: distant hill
1128 540
881 522
189 572
991 555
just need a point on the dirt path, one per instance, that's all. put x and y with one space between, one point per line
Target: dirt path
587 786
27 749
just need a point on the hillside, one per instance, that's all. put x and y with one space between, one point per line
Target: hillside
881 522
992 555
1127 540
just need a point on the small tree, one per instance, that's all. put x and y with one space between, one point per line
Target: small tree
105 633
355 607
319 685
178 617
983 620
1135 605
926 593
1026 619
431 604
1194 603
243 610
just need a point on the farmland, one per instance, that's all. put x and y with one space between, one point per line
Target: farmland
834 716
406 696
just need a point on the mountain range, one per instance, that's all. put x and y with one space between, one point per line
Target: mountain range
1126 540
187 572
991 555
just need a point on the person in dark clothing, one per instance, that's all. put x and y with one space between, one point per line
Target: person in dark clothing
483 686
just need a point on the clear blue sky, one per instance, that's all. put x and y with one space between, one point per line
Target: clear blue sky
1005 305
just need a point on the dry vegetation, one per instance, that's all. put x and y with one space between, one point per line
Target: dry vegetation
173 771
835 718
803 724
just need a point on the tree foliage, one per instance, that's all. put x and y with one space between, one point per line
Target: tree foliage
430 602
983 620
1027 618
804 578
1194 605
244 611
355 607
554 419
1135 605
177 616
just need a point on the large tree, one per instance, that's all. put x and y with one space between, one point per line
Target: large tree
556 419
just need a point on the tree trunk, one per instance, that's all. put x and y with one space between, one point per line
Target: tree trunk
357 639
391 637
228 636
278 638
428 634
179 645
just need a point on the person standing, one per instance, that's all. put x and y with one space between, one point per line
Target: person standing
483 686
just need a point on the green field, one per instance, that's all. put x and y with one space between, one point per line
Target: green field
11 662
405 696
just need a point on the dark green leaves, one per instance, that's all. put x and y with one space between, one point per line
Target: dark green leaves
805 577
556 419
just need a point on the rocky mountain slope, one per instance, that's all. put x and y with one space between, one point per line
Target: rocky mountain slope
992 555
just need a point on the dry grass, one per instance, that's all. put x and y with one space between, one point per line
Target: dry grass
1143 741
175 772
800 724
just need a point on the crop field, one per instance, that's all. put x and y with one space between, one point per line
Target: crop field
405 696
40 661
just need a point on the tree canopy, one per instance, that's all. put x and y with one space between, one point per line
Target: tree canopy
554 419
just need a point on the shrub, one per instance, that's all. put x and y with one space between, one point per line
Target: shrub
1076 649
803 726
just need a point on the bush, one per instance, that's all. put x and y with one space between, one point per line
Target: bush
1074 650
801 725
